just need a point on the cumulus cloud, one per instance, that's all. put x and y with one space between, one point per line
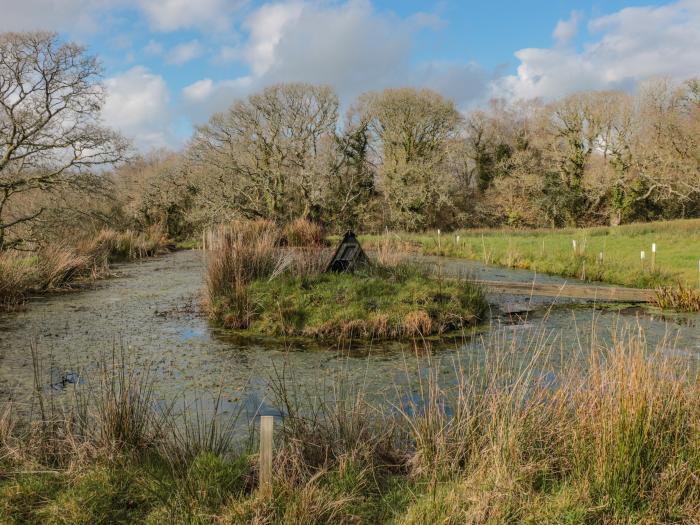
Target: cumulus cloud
92 15
566 30
623 49
184 52
170 15
138 105
349 45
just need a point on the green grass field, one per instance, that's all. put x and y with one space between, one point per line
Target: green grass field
552 251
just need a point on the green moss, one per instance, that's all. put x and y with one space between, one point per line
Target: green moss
188 244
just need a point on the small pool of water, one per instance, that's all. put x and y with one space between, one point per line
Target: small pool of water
151 309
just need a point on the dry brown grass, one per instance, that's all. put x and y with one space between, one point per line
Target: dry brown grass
302 232
613 436
237 255
679 297
109 244
244 251
390 251
57 267
621 426
17 274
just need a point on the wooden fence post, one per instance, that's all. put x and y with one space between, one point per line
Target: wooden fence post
266 428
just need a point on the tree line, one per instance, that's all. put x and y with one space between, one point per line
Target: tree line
408 159
404 158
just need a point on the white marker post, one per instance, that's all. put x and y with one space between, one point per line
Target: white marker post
600 258
574 244
653 256
439 244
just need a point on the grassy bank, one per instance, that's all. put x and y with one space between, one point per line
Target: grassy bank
58 267
552 251
264 281
375 304
492 442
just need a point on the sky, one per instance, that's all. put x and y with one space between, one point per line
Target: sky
170 64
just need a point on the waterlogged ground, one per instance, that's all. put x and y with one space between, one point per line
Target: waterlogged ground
150 312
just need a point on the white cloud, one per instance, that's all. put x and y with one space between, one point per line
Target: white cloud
92 15
137 105
170 15
628 46
267 26
348 45
566 30
184 52
66 15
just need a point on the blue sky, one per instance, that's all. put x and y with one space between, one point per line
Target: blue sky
170 63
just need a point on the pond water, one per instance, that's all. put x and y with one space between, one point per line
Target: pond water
151 311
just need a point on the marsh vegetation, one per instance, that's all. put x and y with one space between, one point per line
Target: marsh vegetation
522 429
494 441
270 281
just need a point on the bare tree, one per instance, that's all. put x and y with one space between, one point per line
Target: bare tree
50 132
668 144
260 158
413 131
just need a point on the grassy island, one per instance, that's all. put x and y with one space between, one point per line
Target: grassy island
262 283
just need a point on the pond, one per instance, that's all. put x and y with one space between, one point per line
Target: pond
150 311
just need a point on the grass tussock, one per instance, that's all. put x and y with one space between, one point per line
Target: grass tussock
17 274
678 298
58 267
112 246
258 283
612 438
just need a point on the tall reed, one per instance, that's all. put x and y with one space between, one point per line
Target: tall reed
239 254
516 434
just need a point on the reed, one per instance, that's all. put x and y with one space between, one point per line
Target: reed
60 266
611 435
302 232
238 255
678 297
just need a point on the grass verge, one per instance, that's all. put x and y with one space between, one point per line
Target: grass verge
552 251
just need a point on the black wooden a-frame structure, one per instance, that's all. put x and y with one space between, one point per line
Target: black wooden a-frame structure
348 256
